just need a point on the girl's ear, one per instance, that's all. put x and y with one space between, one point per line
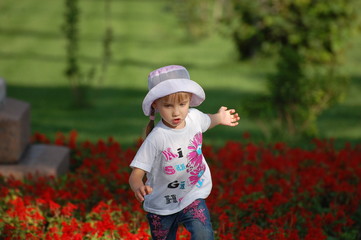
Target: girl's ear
154 105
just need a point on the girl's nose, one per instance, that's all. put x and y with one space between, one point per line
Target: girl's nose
176 111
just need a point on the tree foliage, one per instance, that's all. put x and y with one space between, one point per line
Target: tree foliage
73 71
308 37
80 81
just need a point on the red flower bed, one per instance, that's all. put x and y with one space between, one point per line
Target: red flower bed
260 192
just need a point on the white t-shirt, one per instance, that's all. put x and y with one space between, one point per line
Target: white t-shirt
175 166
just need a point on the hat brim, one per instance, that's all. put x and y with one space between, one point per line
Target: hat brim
172 86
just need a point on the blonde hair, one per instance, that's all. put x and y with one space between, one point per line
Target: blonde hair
174 98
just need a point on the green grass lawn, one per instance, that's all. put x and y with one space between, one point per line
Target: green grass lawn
146 36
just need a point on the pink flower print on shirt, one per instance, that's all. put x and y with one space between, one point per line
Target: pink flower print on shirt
169 155
196 174
195 156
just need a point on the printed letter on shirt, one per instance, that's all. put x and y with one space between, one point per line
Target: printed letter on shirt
169 170
169 155
170 198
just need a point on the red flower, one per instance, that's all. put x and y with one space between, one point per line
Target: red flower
260 191
68 209
54 207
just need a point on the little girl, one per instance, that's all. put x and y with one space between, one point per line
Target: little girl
178 179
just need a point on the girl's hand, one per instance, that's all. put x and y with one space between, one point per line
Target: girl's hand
224 117
137 185
142 191
228 117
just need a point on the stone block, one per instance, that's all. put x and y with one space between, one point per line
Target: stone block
14 130
39 160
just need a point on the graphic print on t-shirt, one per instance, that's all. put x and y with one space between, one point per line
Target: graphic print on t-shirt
169 158
193 165
169 155
175 165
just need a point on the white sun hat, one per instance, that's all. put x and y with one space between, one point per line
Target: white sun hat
168 80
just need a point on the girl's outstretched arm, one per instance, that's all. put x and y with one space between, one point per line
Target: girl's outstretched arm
224 116
137 185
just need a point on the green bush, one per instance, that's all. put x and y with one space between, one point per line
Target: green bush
309 38
312 40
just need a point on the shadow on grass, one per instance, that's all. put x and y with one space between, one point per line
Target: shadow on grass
114 112
356 81
117 113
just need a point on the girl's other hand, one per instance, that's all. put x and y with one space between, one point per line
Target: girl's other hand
224 116
228 117
142 191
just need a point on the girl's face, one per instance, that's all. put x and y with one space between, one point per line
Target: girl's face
173 109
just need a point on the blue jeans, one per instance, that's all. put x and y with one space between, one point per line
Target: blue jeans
195 219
